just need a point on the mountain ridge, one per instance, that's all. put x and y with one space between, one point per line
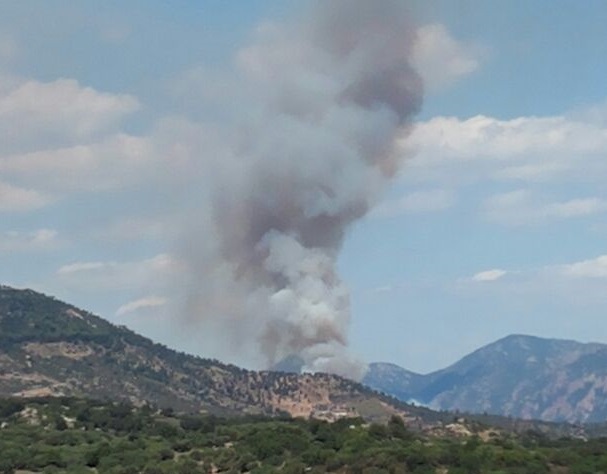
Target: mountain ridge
51 348
518 375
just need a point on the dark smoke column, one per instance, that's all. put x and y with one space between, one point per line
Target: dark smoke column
336 92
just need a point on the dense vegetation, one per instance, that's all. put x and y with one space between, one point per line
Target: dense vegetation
81 436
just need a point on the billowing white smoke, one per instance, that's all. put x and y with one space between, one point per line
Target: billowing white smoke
336 92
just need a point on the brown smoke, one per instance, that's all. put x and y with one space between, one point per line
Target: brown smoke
335 92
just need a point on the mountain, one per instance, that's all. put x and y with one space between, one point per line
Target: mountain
519 376
50 348
392 379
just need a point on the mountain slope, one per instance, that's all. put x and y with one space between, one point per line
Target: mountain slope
393 379
520 376
48 347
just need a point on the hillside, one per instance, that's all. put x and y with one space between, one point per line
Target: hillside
50 348
393 379
519 376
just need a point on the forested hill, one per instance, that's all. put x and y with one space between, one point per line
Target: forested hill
48 347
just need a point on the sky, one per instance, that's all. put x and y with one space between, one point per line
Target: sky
114 114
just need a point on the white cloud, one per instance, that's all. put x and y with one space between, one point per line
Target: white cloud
15 241
33 111
575 208
544 157
104 276
595 113
524 148
520 207
56 139
593 268
143 303
175 151
570 279
441 59
16 199
489 275
417 202
480 136
83 267
108 164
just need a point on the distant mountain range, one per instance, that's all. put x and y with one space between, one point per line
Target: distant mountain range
519 376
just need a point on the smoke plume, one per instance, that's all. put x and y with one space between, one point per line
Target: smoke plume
332 94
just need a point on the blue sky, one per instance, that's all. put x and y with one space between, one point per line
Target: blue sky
495 223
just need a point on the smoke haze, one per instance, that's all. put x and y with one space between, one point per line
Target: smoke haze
332 93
